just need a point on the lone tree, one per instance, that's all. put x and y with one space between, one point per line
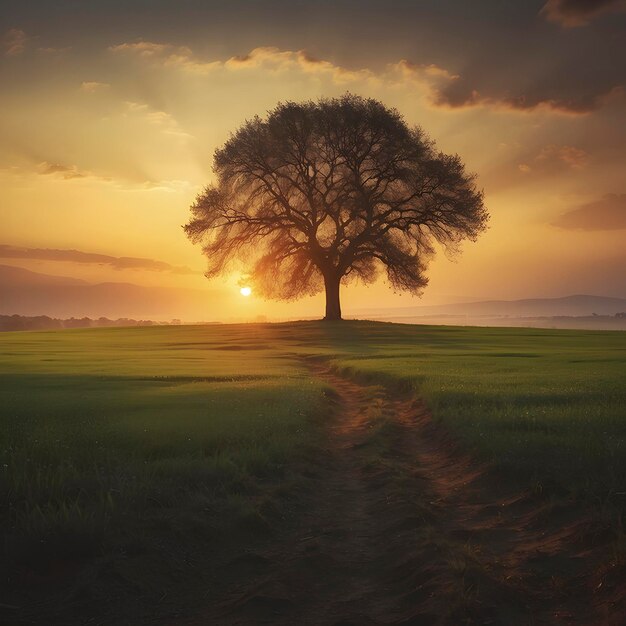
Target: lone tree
320 193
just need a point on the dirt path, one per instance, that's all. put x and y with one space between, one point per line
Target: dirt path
404 529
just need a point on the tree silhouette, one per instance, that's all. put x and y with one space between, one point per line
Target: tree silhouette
320 193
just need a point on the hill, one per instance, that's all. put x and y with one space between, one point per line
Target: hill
30 293
576 305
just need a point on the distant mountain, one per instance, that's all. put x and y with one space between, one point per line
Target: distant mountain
16 277
30 293
576 305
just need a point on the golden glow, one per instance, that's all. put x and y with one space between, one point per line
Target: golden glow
133 160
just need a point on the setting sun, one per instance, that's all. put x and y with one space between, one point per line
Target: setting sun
245 291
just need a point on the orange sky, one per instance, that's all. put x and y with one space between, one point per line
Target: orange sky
105 144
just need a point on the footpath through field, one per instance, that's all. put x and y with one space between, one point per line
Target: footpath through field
405 529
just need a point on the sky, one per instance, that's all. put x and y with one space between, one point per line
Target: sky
110 113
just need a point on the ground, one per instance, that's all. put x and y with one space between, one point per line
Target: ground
319 473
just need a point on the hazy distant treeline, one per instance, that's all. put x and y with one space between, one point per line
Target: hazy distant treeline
43 322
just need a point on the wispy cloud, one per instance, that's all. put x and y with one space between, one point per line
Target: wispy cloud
92 86
556 155
608 213
52 51
268 57
279 60
166 122
72 172
573 157
146 48
14 41
167 55
78 256
67 172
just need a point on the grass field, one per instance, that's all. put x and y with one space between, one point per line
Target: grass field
112 439
111 434
546 405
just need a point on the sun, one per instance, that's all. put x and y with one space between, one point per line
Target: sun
245 291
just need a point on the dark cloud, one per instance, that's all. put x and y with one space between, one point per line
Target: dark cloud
609 213
77 256
561 98
570 13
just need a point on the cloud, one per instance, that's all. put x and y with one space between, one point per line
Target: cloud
576 158
554 157
73 172
277 59
67 172
14 41
166 55
165 121
50 50
145 48
268 57
93 86
459 94
574 13
261 56
410 69
77 256
445 89
608 213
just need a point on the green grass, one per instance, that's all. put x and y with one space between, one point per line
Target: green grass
548 406
108 435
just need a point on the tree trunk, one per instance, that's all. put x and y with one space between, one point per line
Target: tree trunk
333 307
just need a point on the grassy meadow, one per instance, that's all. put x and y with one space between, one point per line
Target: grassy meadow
112 439
117 441
548 406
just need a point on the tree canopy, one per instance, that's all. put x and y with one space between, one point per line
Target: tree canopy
320 193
